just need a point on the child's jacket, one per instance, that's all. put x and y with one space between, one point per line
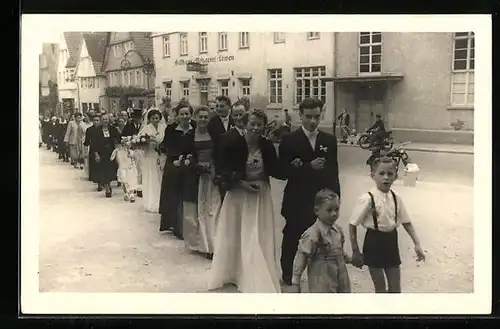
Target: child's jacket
326 267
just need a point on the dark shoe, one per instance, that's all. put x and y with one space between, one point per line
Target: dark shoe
118 184
99 188
209 256
108 194
139 194
287 280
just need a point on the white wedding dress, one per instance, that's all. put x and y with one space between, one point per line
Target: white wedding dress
151 164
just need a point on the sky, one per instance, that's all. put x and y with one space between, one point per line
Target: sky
50 36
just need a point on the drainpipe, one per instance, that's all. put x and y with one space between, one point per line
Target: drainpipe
335 92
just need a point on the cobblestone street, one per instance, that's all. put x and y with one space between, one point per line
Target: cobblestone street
92 244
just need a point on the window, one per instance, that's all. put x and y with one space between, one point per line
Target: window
131 78
184 43
308 83
168 89
166 46
96 83
244 40
203 42
84 83
312 35
370 52
245 87
90 82
204 92
185 88
275 78
224 88
279 37
128 46
462 84
115 78
84 107
115 53
138 78
222 41
125 78
96 106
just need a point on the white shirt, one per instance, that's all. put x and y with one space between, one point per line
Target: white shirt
312 136
385 207
225 122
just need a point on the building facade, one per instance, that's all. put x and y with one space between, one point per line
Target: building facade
48 67
129 70
91 82
421 83
69 45
275 70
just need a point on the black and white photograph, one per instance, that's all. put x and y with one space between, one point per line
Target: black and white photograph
207 170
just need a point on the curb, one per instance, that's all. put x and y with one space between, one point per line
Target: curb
423 149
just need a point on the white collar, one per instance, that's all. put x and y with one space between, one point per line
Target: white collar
180 128
226 119
310 133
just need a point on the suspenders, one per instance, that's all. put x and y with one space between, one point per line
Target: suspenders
374 210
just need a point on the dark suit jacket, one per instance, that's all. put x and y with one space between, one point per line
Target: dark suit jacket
129 129
304 182
347 119
234 155
215 129
102 146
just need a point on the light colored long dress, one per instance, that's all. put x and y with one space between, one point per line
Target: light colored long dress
151 164
200 218
245 243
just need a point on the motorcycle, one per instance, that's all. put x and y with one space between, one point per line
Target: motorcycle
397 154
368 140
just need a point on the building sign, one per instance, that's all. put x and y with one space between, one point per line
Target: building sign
205 60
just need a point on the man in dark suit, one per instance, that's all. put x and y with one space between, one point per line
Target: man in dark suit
132 127
309 160
218 125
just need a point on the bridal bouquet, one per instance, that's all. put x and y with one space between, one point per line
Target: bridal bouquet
142 140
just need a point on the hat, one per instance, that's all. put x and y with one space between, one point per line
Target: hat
136 113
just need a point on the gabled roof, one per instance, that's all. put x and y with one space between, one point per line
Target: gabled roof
143 44
96 45
73 42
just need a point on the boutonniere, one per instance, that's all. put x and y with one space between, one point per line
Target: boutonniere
323 148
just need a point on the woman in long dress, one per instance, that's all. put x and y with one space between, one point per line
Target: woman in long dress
177 144
245 252
89 142
151 162
200 214
105 141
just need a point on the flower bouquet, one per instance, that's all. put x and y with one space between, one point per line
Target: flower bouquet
142 141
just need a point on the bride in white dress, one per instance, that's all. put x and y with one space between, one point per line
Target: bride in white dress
151 162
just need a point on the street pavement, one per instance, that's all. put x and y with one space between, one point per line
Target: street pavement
92 244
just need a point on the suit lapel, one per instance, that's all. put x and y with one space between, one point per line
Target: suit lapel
318 142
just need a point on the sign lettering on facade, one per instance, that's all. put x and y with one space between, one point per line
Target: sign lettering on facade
205 60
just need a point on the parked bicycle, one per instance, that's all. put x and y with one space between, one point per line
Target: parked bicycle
398 154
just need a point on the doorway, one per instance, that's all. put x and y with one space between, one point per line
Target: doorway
370 99
367 110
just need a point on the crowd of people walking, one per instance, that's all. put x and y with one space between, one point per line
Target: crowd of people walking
206 171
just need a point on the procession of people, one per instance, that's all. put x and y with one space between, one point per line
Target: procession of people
206 172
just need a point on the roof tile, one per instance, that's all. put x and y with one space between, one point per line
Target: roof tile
73 41
96 45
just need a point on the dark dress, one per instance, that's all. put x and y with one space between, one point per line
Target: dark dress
105 169
175 143
90 141
61 145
